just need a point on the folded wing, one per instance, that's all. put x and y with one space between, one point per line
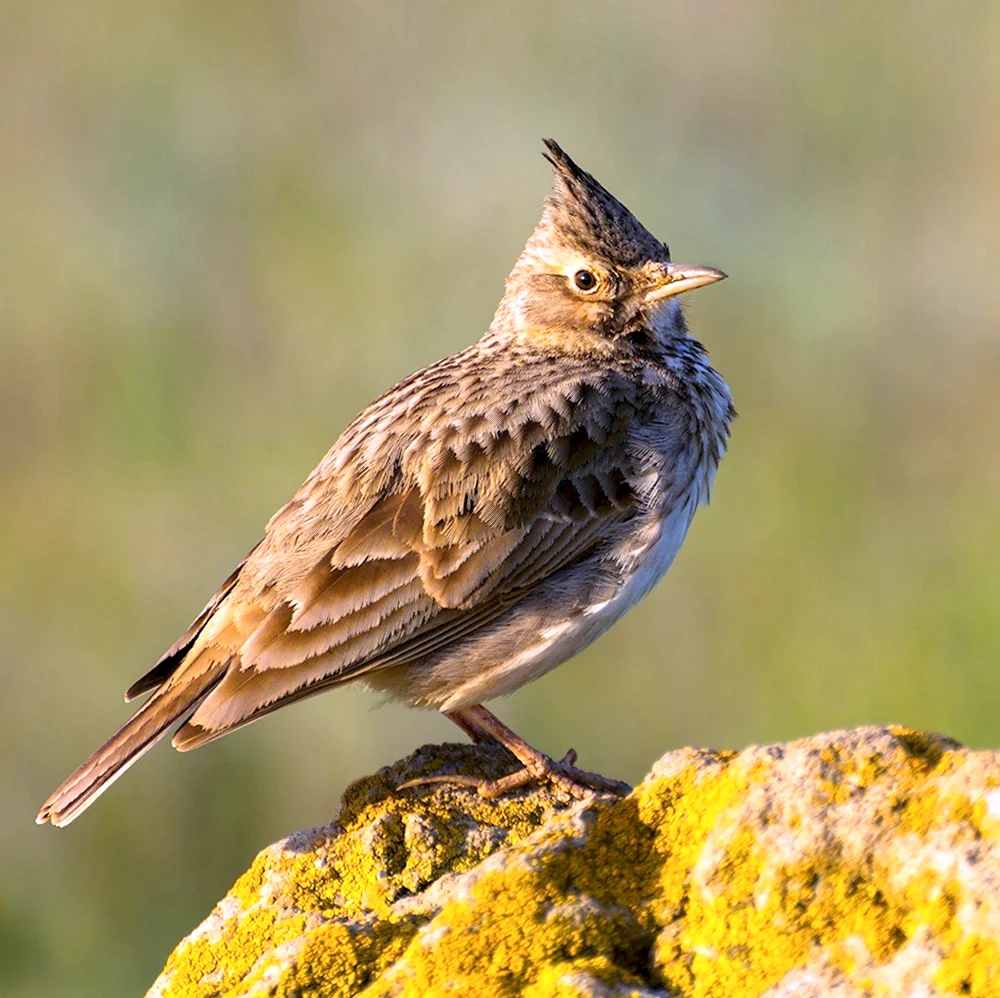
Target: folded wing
445 550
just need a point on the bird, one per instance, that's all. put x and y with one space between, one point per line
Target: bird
480 522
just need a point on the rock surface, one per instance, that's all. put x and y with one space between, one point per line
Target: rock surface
858 863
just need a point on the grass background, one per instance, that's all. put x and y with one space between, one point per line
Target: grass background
225 227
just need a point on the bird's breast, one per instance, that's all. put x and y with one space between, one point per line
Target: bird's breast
675 473
643 557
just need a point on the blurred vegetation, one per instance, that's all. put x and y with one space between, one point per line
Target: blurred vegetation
225 227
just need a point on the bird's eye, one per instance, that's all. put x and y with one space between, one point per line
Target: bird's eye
584 280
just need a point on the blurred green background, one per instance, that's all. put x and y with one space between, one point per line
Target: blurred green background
225 227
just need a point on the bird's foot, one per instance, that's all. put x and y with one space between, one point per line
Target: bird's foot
538 768
484 727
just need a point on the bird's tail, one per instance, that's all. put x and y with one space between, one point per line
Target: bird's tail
172 702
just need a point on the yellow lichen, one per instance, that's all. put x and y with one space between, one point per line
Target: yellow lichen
972 968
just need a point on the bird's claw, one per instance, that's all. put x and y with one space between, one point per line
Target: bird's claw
563 775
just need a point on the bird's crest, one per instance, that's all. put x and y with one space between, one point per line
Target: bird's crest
581 210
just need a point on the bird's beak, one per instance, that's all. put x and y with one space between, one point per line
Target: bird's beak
673 278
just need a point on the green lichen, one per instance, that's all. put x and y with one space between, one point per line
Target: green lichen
720 875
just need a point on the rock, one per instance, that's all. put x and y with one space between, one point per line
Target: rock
863 862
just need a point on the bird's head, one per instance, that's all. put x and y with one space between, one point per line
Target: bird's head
592 273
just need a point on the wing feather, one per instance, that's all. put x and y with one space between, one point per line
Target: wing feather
176 653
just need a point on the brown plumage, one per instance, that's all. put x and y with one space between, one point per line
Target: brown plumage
481 521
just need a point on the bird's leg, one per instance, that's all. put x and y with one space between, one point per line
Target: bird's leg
481 725
477 734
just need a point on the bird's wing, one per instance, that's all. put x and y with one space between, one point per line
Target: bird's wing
454 539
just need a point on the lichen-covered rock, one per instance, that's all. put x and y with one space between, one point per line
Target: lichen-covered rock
859 863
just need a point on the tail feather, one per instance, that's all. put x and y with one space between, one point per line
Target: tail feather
137 735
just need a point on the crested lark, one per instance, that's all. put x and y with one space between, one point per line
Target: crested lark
478 524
